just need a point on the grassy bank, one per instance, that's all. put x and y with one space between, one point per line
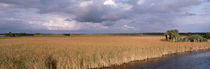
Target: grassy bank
85 51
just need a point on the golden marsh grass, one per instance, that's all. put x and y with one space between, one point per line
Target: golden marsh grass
86 51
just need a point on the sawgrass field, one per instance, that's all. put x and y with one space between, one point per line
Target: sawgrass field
85 51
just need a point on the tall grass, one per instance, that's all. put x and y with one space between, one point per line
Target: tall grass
81 52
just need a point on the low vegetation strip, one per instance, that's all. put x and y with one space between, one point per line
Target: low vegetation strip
81 52
173 35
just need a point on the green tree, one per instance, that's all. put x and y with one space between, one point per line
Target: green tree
207 36
10 34
172 35
196 38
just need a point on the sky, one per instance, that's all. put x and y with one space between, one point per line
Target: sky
104 16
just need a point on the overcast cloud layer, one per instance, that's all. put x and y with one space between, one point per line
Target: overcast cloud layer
104 16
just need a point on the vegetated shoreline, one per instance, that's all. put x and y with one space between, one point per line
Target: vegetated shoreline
149 60
89 51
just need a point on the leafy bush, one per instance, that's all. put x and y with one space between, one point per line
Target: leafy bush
10 34
196 38
172 35
207 36
67 34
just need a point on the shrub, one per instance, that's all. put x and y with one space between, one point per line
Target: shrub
67 34
207 36
196 38
24 34
172 35
10 34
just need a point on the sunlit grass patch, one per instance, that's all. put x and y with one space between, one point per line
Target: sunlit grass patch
85 51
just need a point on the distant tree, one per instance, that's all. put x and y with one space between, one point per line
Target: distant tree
207 36
172 35
196 38
67 34
10 34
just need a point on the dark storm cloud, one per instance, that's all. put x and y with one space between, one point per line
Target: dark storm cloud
97 11
121 15
18 26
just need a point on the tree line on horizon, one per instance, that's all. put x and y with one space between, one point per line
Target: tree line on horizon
10 34
170 35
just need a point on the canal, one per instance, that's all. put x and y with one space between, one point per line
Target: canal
195 60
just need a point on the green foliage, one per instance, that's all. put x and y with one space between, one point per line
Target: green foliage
10 34
207 36
67 34
172 35
196 38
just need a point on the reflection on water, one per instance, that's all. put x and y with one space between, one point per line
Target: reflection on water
198 60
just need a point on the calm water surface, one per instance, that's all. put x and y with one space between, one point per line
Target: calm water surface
198 60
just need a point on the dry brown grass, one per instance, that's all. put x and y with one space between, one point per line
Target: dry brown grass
87 51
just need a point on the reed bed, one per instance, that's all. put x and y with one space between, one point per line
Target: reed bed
86 51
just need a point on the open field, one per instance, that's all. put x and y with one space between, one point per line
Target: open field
85 51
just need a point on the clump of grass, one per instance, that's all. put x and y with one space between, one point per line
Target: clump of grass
51 63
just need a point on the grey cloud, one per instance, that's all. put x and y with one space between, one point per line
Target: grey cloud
94 13
19 26
150 15
164 6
